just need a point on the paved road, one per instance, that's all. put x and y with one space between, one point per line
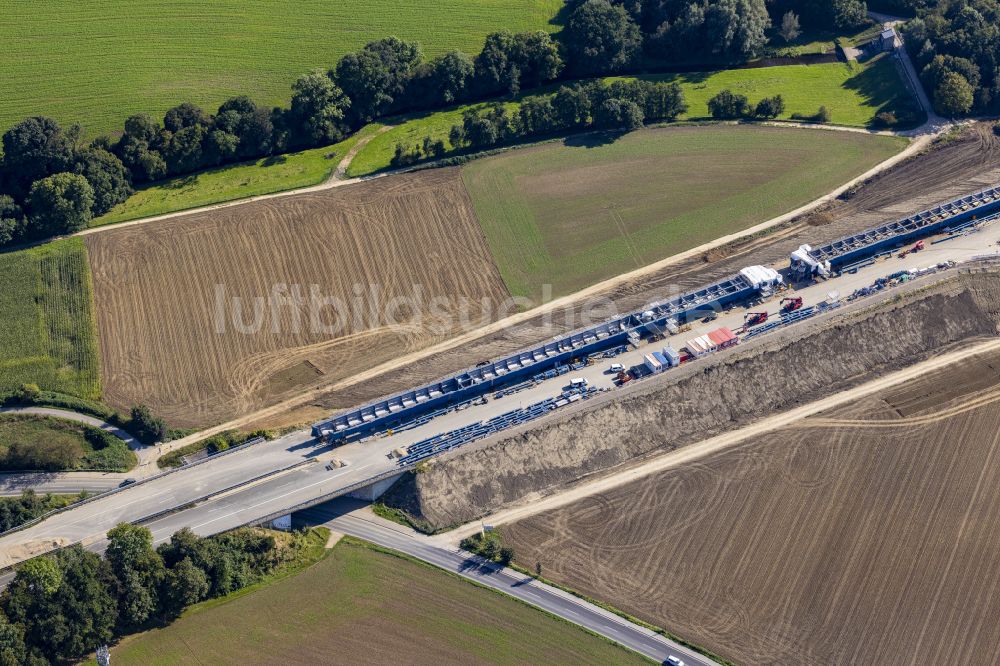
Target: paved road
59 483
75 482
132 442
315 483
350 518
934 121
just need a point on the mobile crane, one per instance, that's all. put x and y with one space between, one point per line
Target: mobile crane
791 304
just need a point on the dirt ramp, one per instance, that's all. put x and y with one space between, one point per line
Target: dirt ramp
697 402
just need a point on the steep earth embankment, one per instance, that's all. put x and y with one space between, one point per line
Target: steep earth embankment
701 401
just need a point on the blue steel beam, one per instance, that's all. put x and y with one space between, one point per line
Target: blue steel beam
474 382
943 216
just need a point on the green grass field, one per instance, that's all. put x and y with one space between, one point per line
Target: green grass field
32 442
364 605
48 336
377 154
97 62
852 93
572 213
237 181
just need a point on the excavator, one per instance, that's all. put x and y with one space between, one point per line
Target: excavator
791 304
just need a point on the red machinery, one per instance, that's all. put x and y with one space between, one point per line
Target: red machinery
623 378
754 318
791 304
916 248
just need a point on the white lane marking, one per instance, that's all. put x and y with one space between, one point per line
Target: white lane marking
275 499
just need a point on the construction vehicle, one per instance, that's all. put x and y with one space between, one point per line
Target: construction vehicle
623 377
754 318
916 248
791 303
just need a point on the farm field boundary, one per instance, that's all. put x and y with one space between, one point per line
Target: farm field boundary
48 336
853 94
174 351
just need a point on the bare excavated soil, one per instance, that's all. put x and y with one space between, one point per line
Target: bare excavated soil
868 534
215 314
948 169
699 401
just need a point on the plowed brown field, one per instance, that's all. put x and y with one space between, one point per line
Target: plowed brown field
870 534
177 303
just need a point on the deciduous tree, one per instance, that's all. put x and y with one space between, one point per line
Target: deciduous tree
601 37
60 204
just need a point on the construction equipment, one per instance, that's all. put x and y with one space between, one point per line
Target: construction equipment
754 318
916 248
791 303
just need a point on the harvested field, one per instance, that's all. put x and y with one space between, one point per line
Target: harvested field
574 213
958 166
211 315
868 534
330 613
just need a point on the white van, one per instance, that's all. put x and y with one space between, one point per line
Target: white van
617 367
578 382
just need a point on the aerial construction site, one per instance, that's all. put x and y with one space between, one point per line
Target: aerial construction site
690 367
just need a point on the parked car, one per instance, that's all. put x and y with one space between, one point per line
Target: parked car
616 368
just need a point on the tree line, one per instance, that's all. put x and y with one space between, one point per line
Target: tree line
60 607
956 46
51 182
621 105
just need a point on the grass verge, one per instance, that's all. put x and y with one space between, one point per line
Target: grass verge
215 444
33 442
236 181
16 511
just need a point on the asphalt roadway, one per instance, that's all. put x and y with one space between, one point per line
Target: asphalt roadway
350 518
238 494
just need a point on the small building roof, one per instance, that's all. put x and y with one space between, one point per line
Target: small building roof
721 336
